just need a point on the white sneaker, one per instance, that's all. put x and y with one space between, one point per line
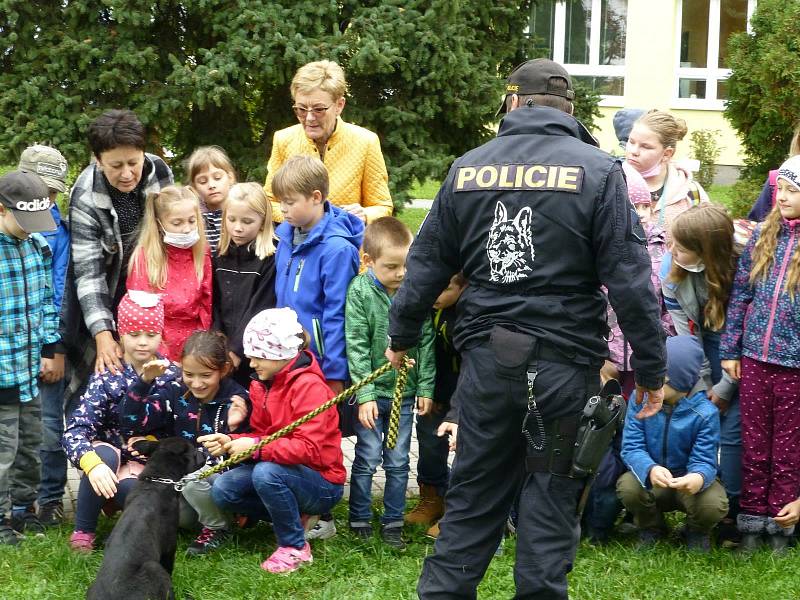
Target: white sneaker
323 530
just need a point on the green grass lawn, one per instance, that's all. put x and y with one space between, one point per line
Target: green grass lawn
344 568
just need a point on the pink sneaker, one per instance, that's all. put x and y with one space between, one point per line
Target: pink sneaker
287 559
81 541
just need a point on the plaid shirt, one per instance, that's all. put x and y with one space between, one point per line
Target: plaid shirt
28 317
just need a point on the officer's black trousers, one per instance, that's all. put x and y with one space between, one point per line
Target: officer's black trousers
488 471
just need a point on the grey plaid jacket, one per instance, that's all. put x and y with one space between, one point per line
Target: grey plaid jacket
95 265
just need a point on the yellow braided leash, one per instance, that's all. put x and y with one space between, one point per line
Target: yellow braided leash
394 415
400 383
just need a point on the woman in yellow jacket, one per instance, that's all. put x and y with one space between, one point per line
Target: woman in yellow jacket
352 154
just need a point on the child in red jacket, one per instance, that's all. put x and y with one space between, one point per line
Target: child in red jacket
300 474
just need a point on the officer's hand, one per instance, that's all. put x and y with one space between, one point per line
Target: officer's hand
396 357
733 368
655 400
451 430
689 483
367 413
660 476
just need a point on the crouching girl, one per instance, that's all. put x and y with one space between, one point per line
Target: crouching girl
300 474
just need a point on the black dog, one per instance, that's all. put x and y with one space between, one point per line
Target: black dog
140 552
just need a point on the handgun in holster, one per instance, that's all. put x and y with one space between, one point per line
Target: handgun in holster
602 416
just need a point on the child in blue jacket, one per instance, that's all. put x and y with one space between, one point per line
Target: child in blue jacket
672 456
49 164
317 256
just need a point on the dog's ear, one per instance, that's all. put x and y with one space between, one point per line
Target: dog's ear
145 447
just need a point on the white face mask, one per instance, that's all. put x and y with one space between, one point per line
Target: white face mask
698 267
182 240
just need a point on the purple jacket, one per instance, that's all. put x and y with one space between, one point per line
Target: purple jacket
763 323
618 348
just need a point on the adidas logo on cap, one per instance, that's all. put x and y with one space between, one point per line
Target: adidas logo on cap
34 205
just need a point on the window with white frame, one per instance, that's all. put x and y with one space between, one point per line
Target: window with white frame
587 37
705 26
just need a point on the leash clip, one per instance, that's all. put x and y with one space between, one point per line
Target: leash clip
184 481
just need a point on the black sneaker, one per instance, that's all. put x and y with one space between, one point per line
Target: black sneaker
8 537
393 536
648 538
698 541
362 532
208 541
51 514
26 521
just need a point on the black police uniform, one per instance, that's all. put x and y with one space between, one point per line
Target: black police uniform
537 219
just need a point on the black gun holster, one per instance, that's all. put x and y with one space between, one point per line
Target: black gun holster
575 445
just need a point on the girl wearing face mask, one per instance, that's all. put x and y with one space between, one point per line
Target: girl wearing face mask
650 150
697 278
172 259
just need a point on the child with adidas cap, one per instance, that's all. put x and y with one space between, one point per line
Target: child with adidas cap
29 334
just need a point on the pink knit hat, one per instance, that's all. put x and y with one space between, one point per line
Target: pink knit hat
637 187
140 311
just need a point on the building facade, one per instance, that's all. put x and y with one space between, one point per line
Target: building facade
666 54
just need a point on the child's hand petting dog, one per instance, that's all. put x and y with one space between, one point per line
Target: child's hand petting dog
237 412
214 443
154 368
104 481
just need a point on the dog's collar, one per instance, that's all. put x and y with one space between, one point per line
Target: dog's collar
178 485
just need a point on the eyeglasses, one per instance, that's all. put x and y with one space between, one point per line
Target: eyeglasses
302 111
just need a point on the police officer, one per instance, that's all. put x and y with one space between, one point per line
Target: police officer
537 219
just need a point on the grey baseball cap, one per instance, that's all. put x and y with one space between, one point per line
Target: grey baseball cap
48 163
28 198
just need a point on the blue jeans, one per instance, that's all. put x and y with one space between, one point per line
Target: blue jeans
730 438
278 493
54 460
432 466
371 451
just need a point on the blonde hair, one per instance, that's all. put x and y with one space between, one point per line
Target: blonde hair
794 145
323 75
707 230
300 174
150 253
764 253
384 233
253 195
669 129
206 157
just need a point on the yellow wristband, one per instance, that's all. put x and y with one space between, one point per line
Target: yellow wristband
89 461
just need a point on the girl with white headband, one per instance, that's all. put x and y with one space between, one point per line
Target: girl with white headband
301 475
